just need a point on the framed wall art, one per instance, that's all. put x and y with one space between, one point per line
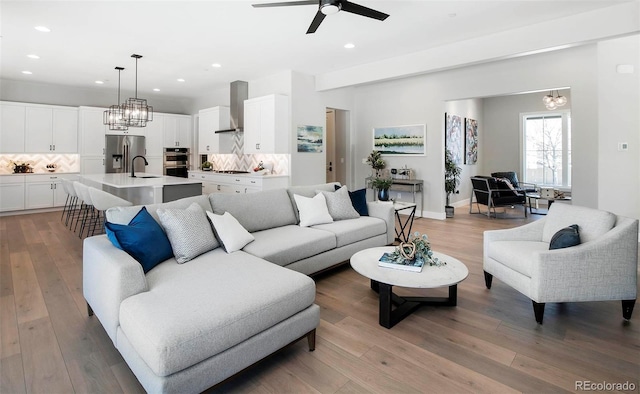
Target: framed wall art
310 139
453 137
471 141
410 140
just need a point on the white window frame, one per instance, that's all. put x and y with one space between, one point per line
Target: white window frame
565 114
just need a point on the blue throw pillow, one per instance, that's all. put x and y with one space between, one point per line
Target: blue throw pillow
143 239
358 200
565 238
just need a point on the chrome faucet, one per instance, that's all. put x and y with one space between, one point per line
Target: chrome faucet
146 163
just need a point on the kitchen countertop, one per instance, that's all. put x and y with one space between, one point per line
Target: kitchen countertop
247 175
40 173
123 181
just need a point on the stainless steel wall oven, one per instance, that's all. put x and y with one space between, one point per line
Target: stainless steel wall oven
176 162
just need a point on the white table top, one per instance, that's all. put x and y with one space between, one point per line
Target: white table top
365 263
124 181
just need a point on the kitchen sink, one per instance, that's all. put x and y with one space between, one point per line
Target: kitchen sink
146 176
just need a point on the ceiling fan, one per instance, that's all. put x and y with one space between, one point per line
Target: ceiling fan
329 7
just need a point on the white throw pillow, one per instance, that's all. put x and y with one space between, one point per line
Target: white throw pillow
339 204
188 231
312 210
230 232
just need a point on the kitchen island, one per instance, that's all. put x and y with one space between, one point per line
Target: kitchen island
144 188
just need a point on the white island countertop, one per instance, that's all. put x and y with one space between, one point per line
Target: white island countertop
144 188
142 179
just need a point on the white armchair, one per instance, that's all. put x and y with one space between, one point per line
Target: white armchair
603 267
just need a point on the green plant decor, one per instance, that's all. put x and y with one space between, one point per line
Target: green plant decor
451 175
376 161
382 183
418 248
207 164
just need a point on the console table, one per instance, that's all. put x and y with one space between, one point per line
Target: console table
409 185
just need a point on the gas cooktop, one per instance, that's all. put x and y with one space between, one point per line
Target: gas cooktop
231 172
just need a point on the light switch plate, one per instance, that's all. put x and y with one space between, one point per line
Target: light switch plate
622 146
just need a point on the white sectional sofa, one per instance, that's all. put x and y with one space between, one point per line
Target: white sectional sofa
186 327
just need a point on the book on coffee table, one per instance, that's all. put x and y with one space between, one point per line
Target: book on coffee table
387 261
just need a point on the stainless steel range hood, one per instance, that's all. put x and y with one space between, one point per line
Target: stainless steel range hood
239 93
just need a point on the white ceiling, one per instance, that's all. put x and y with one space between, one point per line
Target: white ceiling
181 39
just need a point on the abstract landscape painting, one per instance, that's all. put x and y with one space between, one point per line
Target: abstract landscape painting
471 141
400 140
310 139
453 137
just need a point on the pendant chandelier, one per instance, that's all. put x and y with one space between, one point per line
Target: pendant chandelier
136 111
553 102
114 116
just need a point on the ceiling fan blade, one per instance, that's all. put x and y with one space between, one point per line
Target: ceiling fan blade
362 10
316 22
286 4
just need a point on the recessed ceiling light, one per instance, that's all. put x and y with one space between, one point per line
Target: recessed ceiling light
27 72
33 56
43 29
180 80
99 82
452 15
216 65
349 46
156 89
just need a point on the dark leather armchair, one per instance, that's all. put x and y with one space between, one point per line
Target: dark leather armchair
494 192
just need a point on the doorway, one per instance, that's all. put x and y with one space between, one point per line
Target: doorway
337 126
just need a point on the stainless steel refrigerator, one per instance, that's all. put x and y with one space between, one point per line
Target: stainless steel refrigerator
120 150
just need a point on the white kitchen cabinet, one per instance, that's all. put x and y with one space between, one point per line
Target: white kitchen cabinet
44 191
177 131
241 183
210 120
11 193
92 132
51 129
267 124
154 137
12 119
92 165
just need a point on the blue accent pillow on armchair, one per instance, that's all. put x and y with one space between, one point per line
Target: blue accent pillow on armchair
143 239
565 238
358 200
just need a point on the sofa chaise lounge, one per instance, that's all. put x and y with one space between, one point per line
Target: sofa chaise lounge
186 327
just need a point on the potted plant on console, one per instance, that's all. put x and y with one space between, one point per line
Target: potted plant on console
383 185
451 180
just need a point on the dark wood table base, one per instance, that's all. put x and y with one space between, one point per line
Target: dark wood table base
404 306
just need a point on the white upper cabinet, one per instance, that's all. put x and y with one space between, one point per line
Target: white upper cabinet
92 131
49 130
267 124
210 120
177 131
12 118
154 136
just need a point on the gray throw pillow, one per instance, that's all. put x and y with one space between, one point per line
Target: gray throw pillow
188 231
565 238
339 204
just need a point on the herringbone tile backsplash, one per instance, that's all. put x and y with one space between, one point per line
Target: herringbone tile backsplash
38 162
237 160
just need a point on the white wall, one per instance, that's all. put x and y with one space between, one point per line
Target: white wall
618 172
42 93
502 129
421 99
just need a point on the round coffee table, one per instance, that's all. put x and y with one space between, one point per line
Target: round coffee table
365 263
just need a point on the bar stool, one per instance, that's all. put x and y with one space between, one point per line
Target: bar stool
71 202
101 202
86 208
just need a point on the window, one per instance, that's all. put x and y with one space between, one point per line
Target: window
546 150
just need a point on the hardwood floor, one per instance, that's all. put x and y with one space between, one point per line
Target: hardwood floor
490 342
